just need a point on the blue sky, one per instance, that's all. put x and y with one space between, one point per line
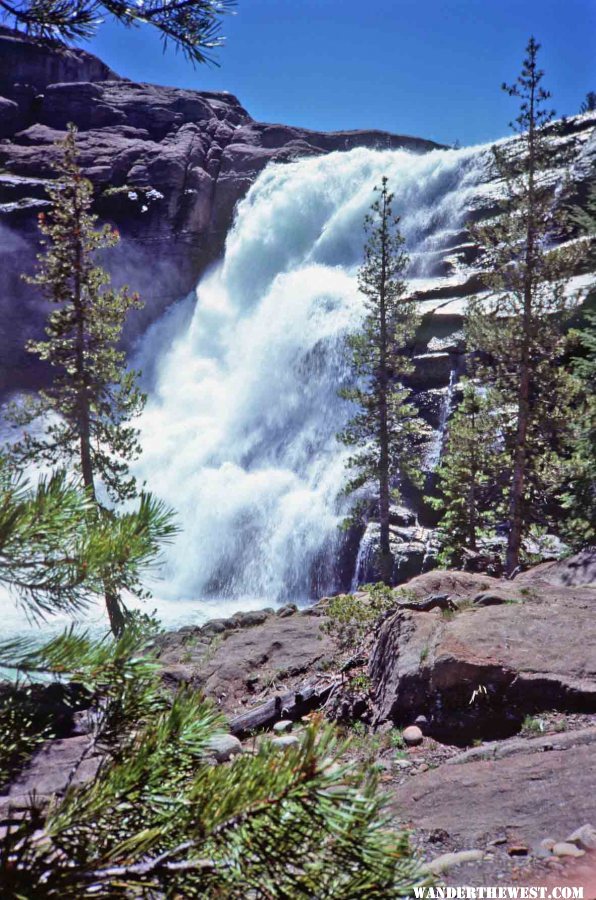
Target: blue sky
431 68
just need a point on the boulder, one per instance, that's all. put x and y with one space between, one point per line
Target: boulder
478 673
285 741
280 651
412 736
573 571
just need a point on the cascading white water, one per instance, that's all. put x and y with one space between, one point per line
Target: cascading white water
239 433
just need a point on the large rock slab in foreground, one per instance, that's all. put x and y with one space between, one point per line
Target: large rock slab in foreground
477 673
495 805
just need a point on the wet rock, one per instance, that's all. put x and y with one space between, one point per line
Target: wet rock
215 626
284 611
248 619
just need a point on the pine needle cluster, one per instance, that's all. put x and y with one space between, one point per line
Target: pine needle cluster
159 819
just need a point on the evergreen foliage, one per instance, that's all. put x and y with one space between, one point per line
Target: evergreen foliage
57 549
159 820
470 495
385 427
93 397
589 104
580 496
519 326
86 412
193 26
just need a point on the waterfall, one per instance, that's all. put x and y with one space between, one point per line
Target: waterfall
436 449
239 433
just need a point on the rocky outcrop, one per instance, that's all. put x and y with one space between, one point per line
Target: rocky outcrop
239 660
168 165
477 673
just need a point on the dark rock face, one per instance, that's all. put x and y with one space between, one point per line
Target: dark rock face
168 165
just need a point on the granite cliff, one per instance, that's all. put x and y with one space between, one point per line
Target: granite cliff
169 166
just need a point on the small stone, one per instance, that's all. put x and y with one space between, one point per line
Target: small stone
412 735
565 849
402 763
424 767
449 860
547 844
223 747
421 722
284 741
283 727
584 837
216 626
284 611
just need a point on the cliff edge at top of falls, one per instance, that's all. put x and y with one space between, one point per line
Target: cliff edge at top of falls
168 165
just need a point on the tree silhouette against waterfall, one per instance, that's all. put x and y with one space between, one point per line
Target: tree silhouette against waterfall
384 427
86 411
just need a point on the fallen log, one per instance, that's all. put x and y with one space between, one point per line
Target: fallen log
292 705
435 601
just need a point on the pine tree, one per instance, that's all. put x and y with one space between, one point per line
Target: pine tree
589 104
580 499
159 819
580 495
519 327
193 26
384 428
468 475
56 549
86 411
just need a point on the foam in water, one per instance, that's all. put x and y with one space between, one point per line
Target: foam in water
239 433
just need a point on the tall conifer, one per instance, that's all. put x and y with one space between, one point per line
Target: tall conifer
384 427
519 326
87 409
